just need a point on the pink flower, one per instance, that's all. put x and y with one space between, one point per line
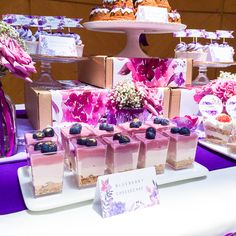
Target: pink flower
15 59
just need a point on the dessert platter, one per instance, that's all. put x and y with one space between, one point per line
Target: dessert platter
149 17
64 165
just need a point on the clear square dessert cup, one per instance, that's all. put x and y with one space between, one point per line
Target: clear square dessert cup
153 152
89 162
181 150
66 137
47 171
121 156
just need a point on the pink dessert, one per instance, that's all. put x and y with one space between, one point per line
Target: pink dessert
108 130
182 147
89 160
133 127
47 171
82 130
122 154
153 152
37 136
160 124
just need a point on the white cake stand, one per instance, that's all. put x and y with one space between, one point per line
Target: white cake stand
202 78
133 29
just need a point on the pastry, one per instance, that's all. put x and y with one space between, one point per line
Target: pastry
99 14
119 13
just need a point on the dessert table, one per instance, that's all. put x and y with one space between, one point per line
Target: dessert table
204 206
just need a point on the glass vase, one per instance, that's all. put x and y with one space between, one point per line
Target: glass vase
8 137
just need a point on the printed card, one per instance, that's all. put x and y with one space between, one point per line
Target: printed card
57 46
127 191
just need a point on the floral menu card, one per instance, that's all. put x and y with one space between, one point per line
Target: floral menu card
127 191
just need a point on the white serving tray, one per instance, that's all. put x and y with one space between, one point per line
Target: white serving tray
71 194
217 148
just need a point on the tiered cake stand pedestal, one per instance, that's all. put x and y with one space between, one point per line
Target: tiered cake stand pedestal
45 79
133 29
202 78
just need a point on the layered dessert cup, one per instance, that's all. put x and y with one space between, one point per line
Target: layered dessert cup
160 124
47 169
36 136
122 153
89 159
104 130
76 130
133 127
218 129
182 147
153 151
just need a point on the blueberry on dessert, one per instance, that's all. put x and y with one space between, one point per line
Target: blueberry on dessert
165 122
109 128
174 130
102 126
49 132
150 133
124 139
91 142
81 141
184 131
38 135
76 128
136 123
136 120
49 147
157 120
117 136
38 146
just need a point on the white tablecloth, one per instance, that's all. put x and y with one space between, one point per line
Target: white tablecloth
205 207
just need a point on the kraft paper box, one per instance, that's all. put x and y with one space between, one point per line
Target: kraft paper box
82 104
182 103
106 72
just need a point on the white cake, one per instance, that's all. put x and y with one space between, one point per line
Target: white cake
152 14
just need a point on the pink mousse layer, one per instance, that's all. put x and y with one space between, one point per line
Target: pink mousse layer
37 158
159 127
30 141
85 132
152 151
103 133
121 157
126 128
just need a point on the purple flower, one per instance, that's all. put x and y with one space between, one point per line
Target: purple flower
117 208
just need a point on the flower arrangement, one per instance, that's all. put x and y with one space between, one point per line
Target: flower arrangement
127 95
12 53
227 75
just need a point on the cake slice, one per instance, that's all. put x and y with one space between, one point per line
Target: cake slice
89 159
153 150
182 147
122 153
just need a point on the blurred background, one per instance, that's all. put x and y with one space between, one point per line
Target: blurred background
201 14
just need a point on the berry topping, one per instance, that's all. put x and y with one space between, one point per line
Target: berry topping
76 128
165 122
38 135
49 132
157 120
49 147
135 124
151 130
223 118
81 141
150 135
184 131
124 139
38 146
174 130
117 136
109 128
91 142
102 126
